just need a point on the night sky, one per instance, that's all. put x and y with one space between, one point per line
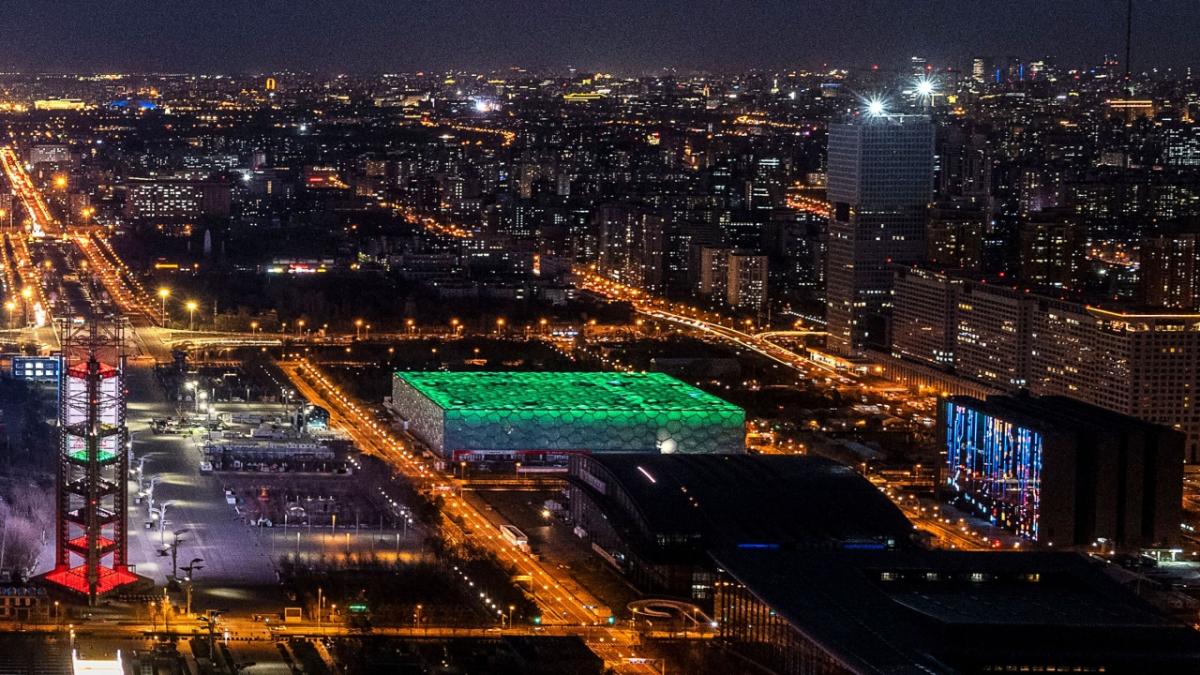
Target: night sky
626 36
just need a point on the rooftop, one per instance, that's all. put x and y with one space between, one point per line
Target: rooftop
756 501
923 611
648 392
1057 412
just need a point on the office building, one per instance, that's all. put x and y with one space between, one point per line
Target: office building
47 153
955 234
1170 270
919 331
538 414
631 243
746 288
712 274
1052 246
1064 473
171 200
879 187
991 324
1139 362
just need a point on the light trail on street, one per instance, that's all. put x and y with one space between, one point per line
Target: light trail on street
567 605
42 222
118 280
30 293
563 602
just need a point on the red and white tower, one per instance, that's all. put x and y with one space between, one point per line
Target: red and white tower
93 466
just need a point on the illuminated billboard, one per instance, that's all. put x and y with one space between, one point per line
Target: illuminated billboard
994 467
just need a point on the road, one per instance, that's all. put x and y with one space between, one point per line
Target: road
42 222
565 605
562 601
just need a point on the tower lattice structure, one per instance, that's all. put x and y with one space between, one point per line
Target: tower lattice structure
93 464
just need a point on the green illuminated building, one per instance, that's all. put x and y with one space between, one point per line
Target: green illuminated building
474 413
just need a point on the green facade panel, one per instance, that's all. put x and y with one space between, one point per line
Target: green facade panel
589 412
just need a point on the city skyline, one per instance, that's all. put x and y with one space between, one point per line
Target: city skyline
595 370
702 36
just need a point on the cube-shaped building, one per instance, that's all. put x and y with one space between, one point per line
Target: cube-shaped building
469 414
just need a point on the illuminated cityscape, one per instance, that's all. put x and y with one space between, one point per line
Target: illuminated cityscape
600 339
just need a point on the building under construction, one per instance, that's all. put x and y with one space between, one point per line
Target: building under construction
93 464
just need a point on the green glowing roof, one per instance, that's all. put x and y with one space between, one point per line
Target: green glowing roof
563 391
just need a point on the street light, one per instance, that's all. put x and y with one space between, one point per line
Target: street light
191 308
27 293
10 306
253 327
163 294
162 520
357 326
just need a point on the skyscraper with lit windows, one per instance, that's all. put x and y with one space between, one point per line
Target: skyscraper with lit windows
880 185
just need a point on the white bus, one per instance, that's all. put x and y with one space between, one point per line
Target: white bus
515 537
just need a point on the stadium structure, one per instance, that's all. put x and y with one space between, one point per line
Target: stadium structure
467 415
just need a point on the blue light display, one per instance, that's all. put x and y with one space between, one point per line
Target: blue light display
35 368
140 104
995 466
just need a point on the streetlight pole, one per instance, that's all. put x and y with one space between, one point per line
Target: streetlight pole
191 308
163 293
162 522
27 294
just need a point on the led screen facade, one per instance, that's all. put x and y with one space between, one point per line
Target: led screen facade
488 412
994 466
108 414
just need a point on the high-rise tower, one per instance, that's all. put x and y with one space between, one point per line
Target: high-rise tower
93 466
880 185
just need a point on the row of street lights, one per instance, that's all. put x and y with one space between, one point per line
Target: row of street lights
191 305
11 305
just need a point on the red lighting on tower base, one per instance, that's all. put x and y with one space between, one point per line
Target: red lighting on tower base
90 552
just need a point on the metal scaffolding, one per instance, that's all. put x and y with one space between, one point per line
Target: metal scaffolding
90 552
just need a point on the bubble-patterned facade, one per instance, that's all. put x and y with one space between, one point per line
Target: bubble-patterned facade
470 413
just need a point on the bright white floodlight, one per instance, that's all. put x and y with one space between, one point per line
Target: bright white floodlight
925 87
876 107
